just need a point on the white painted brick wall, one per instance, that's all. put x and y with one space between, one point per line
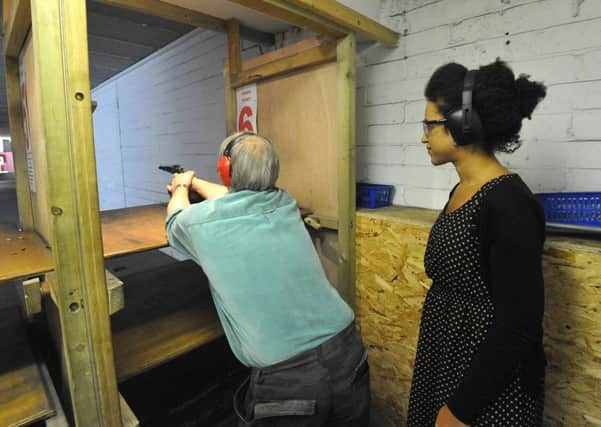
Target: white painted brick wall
167 109
555 41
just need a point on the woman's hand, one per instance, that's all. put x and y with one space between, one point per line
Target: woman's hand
446 418
181 178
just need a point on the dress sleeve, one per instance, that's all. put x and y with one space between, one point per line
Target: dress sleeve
515 280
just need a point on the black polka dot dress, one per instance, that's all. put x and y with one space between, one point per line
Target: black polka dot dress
456 315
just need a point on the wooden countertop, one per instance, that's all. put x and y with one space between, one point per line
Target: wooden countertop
124 231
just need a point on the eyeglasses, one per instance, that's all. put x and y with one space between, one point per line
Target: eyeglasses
431 124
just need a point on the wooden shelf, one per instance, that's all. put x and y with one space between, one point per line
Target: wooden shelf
168 312
23 398
124 231
131 230
22 254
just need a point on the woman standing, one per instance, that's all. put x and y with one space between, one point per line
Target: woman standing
480 359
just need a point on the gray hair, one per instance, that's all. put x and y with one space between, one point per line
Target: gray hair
254 163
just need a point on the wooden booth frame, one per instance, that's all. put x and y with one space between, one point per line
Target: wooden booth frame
72 273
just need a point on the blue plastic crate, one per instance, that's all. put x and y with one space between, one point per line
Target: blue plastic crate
572 208
374 195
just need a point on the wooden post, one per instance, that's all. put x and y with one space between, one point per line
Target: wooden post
230 101
233 46
231 70
61 56
345 98
17 135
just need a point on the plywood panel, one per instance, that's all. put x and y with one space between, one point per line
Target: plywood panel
34 139
304 132
392 285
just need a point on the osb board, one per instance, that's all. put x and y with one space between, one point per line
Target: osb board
304 132
34 138
391 287
390 290
168 312
23 397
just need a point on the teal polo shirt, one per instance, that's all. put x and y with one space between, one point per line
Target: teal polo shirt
267 282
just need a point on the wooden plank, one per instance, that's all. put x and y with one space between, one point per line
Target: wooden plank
323 53
116 293
168 312
345 96
15 116
284 52
131 230
60 48
23 395
128 417
17 21
35 141
124 231
294 15
233 46
171 12
351 20
23 254
230 101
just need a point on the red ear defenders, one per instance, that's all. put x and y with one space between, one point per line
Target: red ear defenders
464 123
224 166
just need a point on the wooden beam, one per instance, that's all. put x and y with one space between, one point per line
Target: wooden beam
17 134
233 46
170 12
294 15
16 25
230 100
345 98
325 52
349 19
60 44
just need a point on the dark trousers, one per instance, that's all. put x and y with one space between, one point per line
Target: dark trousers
324 386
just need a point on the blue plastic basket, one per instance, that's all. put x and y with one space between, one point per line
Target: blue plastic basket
374 195
572 208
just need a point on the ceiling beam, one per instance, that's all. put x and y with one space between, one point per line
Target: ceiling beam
323 17
170 12
187 16
349 18
294 15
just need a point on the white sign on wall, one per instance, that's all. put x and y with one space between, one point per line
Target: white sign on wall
246 98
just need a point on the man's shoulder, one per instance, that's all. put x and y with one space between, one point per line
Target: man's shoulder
237 205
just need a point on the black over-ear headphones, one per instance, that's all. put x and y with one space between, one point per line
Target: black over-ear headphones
464 123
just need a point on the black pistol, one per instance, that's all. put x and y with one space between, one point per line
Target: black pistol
193 196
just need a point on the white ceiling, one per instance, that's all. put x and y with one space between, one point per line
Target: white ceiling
225 10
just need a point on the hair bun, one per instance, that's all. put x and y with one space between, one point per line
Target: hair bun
529 94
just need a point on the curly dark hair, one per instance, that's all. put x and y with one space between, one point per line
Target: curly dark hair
500 100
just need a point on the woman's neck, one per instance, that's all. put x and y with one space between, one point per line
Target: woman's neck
477 167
